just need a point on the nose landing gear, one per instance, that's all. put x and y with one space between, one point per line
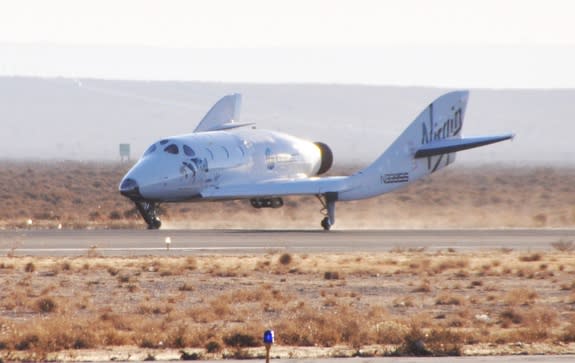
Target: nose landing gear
148 211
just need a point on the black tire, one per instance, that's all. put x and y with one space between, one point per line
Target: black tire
325 224
156 224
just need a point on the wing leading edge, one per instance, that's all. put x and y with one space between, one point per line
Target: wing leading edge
281 187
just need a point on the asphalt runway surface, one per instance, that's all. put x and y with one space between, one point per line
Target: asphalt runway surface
144 242
485 359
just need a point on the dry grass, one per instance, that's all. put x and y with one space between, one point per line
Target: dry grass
178 302
564 245
80 195
449 299
533 257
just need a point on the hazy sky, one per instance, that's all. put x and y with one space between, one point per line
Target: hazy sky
453 43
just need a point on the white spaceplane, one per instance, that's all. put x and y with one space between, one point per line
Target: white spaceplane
225 159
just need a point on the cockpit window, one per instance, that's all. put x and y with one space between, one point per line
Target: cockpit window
150 150
164 142
172 149
189 151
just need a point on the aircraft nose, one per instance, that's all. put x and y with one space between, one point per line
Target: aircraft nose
130 188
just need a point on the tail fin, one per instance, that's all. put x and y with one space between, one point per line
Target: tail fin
427 145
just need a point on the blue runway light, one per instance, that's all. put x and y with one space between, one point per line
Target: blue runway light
269 337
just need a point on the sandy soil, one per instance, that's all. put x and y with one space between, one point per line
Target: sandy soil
493 302
81 195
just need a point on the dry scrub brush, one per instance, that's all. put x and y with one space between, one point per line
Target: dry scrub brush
411 301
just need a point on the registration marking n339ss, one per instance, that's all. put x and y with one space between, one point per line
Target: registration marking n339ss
394 178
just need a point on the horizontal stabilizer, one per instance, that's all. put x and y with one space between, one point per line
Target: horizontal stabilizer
447 146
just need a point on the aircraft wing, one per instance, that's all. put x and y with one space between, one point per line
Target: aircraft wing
280 187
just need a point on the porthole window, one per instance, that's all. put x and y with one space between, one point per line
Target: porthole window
164 142
172 149
150 150
188 151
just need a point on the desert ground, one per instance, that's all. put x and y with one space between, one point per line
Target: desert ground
84 195
401 302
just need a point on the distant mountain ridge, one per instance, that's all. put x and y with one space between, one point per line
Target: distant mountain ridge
86 119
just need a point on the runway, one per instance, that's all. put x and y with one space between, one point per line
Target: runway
486 359
144 242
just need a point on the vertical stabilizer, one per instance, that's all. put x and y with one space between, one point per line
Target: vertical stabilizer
397 166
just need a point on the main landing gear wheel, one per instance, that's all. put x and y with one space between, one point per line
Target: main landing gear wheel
325 224
156 224
148 211
328 203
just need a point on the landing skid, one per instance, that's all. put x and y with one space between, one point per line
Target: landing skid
148 211
267 202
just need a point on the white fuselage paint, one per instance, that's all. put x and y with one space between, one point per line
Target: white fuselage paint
221 158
